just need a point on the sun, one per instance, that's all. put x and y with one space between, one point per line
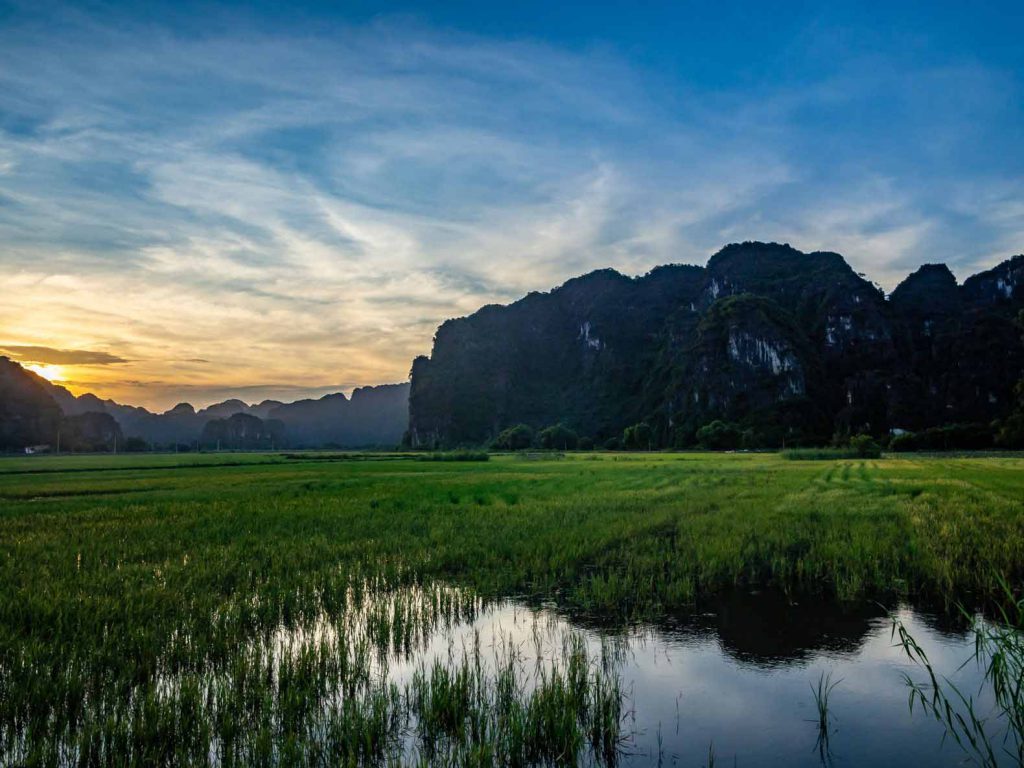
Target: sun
48 372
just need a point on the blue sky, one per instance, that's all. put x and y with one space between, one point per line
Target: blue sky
271 201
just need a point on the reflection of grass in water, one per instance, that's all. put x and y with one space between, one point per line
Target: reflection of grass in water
322 691
147 625
989 737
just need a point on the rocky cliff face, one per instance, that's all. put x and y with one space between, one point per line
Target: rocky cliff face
792 345
581 353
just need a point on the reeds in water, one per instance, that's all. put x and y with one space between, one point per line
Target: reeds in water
991 738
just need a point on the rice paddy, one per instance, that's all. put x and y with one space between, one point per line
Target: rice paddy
256 609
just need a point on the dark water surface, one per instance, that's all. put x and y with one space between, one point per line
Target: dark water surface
730 683
737 679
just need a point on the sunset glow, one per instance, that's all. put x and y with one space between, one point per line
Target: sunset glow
54 373
334 188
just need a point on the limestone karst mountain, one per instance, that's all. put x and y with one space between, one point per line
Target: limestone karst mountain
788 345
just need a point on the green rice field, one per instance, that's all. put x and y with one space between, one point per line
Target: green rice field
251 608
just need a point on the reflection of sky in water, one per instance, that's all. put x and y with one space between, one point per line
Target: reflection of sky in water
714 681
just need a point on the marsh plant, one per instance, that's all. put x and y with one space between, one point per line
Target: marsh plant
991 733
822 693
354 688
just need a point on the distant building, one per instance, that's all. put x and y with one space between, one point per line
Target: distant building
30 449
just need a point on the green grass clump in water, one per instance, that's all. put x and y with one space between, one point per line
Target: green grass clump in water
826 454
464 715
822 693
144 599
459 455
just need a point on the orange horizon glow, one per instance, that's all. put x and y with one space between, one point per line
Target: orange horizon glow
160 384
52 373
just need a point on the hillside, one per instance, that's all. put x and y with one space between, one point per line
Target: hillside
374 416
32 410
789 345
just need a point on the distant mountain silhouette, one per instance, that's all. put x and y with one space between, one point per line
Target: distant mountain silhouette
374 416
91 431
788 346
785 347
31 417
28 414
243 431
33 409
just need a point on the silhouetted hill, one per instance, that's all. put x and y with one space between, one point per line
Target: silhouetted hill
789 345
243 431
91 431
580 353
28 414
375 416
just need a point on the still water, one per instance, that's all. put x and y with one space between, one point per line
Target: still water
735 679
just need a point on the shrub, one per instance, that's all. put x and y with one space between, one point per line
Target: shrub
135 445
906 441
865 447
1011 432
638 437
558 436
585 444
461 454
612 444
857 447
719 436
949 437
514 438
819 454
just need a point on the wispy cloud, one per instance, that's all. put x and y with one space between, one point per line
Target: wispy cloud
61 356
305 208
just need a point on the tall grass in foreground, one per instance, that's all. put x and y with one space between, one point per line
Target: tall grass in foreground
323 691
999 649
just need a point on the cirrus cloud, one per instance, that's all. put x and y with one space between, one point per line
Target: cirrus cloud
306 207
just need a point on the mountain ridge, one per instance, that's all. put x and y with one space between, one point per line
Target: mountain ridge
373 416
791 345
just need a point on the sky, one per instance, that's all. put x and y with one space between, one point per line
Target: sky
201 201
